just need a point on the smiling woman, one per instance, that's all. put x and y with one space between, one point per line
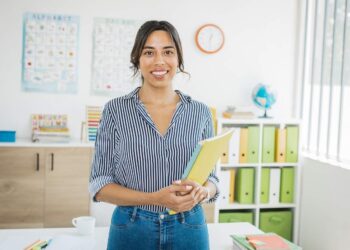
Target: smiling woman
158 60
142 36
144 142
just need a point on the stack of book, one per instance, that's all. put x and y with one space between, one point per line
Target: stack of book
231 112
50 128
238 115
51 135
267 241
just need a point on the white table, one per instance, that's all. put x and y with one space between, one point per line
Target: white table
219 235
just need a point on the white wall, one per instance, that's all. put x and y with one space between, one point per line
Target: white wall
325 207
261 46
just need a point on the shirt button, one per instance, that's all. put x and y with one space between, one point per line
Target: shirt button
161 216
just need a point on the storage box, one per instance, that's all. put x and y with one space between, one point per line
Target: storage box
7 136
279 222
229 216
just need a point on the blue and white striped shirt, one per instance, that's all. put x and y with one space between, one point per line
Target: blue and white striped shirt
131 152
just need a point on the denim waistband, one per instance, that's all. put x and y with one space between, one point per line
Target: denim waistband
154 216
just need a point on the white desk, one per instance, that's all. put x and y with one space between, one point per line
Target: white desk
219 235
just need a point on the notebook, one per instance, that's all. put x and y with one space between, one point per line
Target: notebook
267 242
204 158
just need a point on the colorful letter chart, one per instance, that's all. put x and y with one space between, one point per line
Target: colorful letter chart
50 53
112 45
93 116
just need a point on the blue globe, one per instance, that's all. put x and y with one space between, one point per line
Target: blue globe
263 97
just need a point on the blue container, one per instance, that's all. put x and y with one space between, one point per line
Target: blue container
7 136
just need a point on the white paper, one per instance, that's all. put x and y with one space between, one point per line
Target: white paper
72 242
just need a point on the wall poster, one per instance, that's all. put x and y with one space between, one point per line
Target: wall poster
112 44
50 53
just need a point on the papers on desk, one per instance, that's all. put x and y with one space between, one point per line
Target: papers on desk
72 242
267 241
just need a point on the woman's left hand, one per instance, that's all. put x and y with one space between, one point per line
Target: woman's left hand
198 192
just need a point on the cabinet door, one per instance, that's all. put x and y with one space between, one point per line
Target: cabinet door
66 187
21 187
208 209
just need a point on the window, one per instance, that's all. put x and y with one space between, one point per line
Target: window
325 79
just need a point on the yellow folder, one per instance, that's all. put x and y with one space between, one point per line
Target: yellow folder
280 145
204 158
232 185
243 146
224 156
225 152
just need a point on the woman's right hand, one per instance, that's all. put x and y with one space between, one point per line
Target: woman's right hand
168 197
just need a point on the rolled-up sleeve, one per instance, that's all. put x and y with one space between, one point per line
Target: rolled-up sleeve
102 169
208 132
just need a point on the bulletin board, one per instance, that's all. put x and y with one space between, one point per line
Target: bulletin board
112 44
50 53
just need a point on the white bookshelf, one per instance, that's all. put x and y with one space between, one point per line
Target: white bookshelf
257 206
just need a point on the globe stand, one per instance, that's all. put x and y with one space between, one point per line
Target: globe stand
265 115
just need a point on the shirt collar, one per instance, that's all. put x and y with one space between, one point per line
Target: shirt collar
184 98
134 94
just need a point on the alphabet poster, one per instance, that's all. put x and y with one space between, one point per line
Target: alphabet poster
50 53
112 44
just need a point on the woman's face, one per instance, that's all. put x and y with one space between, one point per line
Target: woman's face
158 60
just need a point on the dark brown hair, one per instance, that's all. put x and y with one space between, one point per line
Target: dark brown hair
141 37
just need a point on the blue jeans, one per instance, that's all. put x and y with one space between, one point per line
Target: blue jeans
133 228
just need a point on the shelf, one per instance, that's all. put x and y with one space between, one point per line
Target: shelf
273 164
256 121
279 205
280 164
26 142
236 206
284 122
258 165
240 165
225 121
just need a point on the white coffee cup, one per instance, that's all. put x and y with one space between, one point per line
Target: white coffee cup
85 224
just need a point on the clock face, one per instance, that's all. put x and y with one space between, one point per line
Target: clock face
210 38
